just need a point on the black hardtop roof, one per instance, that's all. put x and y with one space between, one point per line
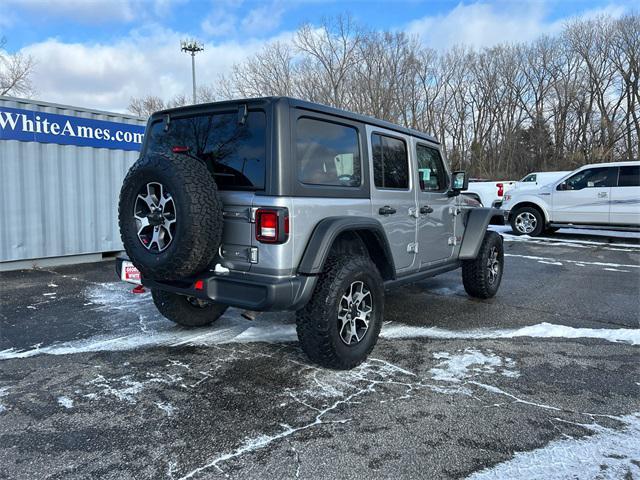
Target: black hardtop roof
297 103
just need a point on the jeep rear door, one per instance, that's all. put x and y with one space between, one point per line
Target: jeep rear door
393 198
435 208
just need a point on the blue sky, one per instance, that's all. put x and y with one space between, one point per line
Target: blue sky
99 53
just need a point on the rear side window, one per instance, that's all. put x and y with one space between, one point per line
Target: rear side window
629 176
431 171
328 153
234 153
529 178
390 162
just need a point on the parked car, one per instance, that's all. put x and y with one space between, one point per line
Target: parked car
602 195
487 193
539 179
280 204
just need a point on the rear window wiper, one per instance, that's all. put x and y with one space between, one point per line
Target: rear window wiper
243 112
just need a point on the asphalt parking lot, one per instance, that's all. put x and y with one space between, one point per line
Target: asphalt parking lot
541 382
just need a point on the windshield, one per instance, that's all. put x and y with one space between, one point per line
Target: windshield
234 153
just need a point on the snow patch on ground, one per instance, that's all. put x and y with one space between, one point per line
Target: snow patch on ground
576 242
3 393
581 263
471 362
607 453
540 330
153 330
327 393
166 408
126 388
65 402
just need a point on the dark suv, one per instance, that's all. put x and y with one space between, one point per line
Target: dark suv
281 204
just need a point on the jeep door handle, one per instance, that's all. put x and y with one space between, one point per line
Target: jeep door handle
426 209
602 194
387 210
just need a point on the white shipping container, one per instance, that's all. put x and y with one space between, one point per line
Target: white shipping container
60 200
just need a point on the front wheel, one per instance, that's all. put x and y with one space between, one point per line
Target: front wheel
482 276
187 311
527 221
340 325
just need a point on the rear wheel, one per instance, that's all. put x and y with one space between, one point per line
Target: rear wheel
187 311
482 276
527 221
340 325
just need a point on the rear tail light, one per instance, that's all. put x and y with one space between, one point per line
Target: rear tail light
199 285
500 189
180 149
272 225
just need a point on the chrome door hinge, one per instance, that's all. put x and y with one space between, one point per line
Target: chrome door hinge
452 241
412 247
413 212
455 211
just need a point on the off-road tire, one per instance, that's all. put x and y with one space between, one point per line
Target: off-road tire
199 219
180 310
475 273
317 322
539 217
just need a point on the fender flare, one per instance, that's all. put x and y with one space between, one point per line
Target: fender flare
325 234
533 201
476 226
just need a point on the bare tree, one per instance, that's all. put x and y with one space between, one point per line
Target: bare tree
15 72
145 106
554 103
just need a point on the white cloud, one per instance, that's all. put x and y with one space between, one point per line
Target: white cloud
263 19
483 24
480 25
92 11
84 11
147 62
219 23
224 19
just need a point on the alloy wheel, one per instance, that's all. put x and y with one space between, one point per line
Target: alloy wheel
155 214
354 313
493 265
526 222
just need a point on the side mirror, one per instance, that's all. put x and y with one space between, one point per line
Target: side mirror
459 182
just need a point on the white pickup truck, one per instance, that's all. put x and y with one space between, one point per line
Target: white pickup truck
600 195
539 179
489 194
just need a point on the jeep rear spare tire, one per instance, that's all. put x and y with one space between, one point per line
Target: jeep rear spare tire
170 216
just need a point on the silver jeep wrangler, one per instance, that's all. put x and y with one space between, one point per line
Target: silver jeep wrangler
281 204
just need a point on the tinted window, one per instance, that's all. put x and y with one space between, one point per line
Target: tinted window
328 153
234 153
629 176
589 178
390 164
431 172
529 178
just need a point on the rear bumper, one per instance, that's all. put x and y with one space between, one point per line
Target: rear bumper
242 290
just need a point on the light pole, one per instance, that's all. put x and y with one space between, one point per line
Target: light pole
192 47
